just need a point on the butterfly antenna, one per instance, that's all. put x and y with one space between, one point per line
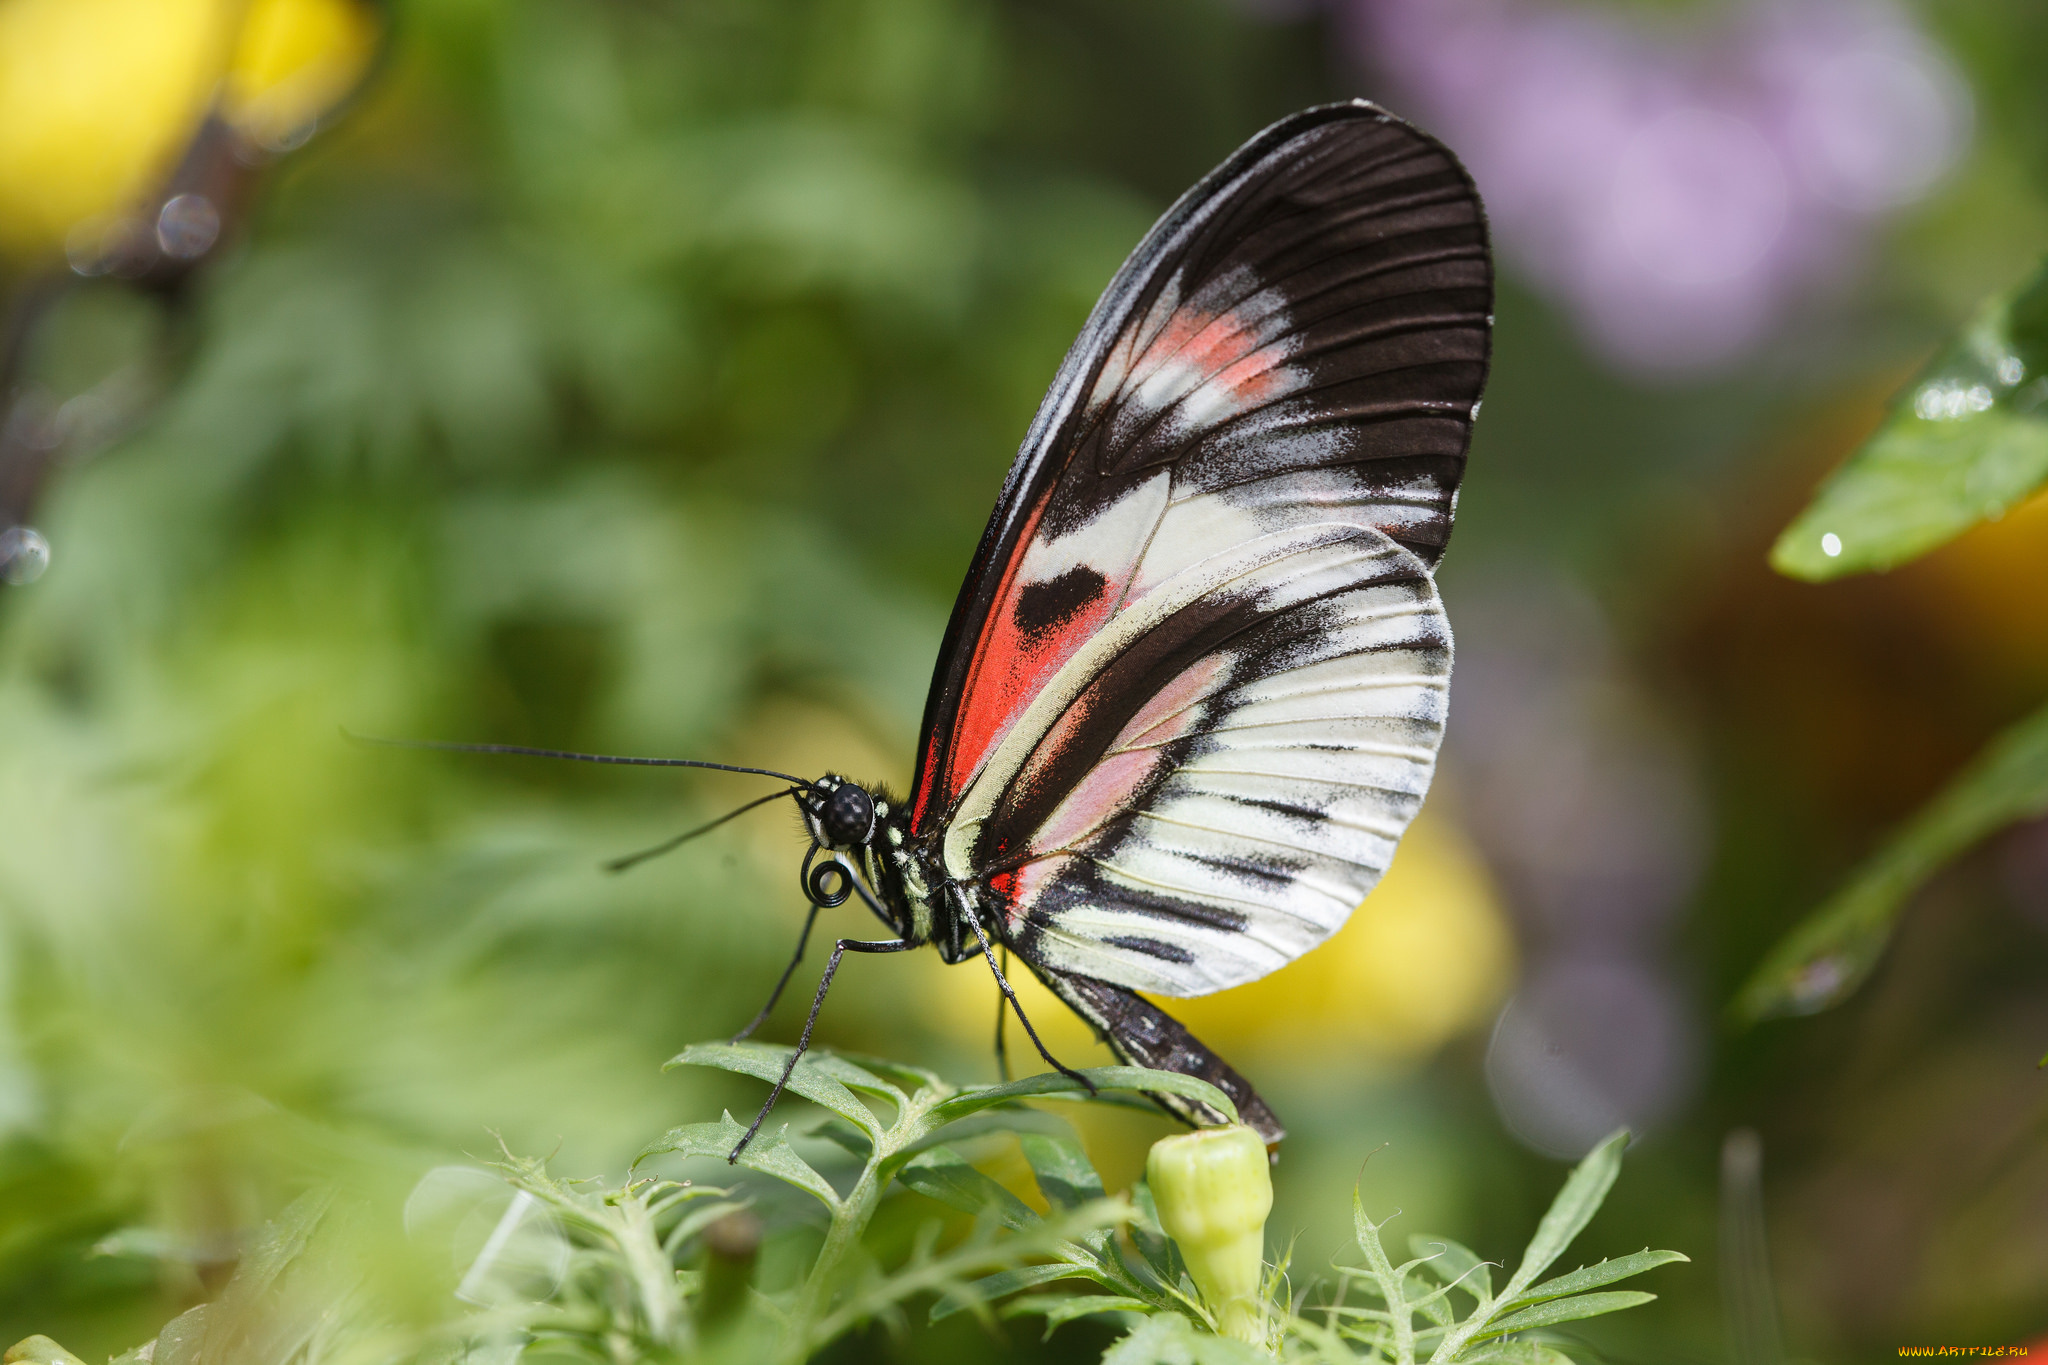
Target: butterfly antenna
445 746
632 860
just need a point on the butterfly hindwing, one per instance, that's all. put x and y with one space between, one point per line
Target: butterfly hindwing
1219 775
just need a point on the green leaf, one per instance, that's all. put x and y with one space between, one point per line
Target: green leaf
817 1077
854 1076
1593 1276
992 1287
840 1133
1566 1310
698 1219
990 1121
1160 1254
283 1240
1452 1262
1573 1208
1433 1303
943 1174
1170 1339
1967 440
1828 956
768 1154
1135 1078
1065 1176
183 1339
1064 1308
40 1350
913 1079
1515 1353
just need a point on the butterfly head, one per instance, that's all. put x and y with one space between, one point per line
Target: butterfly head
841 813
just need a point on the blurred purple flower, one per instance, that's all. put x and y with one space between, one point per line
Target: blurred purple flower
1680 189
1584 798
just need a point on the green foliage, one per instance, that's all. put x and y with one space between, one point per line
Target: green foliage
1074 1241
1423 1287
1967 440
1828 956
573 1271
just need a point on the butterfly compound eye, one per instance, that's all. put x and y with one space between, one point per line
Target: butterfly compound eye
849 815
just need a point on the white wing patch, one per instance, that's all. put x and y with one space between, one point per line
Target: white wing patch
1109 543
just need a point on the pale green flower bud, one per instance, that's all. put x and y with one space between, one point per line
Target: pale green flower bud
1214 1189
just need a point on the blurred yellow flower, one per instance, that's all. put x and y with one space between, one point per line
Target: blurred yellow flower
295 60
100 98
97 100
1427 956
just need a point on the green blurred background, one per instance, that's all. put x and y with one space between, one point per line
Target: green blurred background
637 375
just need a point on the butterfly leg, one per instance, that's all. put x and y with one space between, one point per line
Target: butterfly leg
974 923
839 950
1002 1016
787 973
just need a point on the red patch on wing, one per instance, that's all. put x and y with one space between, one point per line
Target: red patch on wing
1010 665
1219 352
1222 353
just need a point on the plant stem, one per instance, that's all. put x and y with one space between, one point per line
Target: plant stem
849 1221
1395 1292
650 1266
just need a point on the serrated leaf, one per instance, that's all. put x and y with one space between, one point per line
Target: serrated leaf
1133 1078
1453 1261
943 1174
992 1287
811 1079
768 1153
1058 1309
1966 440
1065 1176
1566 1310
1824 960
1593 1276
1574 1207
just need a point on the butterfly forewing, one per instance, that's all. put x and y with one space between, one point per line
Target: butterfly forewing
1303 335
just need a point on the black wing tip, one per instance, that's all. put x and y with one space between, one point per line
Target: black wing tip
1142 1034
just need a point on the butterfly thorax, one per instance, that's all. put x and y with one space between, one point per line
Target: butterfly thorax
911 883
905 876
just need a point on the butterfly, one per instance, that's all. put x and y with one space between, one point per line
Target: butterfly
1192 690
